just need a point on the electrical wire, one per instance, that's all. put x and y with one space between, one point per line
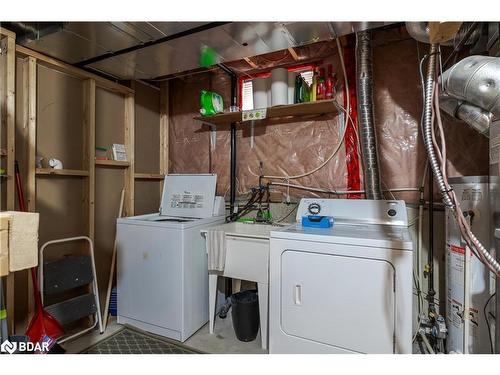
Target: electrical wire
336 192
488 322
287 215
337 148
436 150
464 226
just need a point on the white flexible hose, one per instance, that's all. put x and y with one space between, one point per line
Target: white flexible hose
431 113
347 111
337 192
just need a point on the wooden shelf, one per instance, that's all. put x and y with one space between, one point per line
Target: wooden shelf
149 176
61 172
318 108
112 163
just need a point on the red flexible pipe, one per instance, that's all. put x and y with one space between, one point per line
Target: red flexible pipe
350 138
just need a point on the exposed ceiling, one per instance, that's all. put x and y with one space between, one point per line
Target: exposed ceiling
148 50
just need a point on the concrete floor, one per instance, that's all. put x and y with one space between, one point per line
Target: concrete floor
223 341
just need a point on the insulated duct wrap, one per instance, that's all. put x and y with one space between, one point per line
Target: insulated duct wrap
476 80
479 119
364 74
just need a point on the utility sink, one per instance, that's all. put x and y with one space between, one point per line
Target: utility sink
247 258
249 230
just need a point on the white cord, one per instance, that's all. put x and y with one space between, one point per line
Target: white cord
337 192
347 111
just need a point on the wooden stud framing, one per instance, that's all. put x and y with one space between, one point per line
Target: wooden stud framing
10 121
251 63
129 146
29 115
29 127
31 60
89 153
293 53
164 129
71 70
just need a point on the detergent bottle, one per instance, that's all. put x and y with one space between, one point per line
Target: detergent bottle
211 103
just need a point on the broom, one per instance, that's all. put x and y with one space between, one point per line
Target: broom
43 326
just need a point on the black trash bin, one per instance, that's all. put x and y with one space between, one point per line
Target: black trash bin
245 314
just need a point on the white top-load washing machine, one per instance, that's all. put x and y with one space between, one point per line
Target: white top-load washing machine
162 277
346 288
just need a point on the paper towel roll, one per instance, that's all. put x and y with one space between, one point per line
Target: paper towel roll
269 92
259 86
291 87
279 86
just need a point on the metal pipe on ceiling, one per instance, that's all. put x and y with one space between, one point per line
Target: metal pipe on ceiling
151 43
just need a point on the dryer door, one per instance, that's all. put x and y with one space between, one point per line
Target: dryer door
342 301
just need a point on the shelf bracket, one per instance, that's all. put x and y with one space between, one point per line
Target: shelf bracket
252 133
213 135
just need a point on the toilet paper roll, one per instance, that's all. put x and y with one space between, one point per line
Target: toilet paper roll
260 86
291 87
279 86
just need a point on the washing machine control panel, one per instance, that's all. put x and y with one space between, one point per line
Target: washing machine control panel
314 208
358 211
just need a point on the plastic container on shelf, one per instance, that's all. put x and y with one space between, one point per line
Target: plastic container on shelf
211 103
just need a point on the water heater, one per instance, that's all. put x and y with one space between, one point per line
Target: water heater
473 194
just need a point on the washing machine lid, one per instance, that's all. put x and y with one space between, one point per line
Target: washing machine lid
188 195
169 222
373 235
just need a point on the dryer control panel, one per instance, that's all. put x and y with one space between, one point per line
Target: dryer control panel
355 211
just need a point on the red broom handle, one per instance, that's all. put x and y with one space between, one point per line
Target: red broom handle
22 206
19 187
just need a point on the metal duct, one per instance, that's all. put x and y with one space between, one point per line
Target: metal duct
478 119
420 31
364 77
475 80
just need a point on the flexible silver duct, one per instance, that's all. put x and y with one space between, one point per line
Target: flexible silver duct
364 77
427 124
420 31
476 80
477 118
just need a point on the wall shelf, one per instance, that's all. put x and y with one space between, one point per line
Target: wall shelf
300 110
61 172
112 163
149 176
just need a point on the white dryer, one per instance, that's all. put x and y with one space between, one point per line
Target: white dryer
343 289
162 277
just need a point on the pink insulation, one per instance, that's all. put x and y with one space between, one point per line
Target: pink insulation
297 147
